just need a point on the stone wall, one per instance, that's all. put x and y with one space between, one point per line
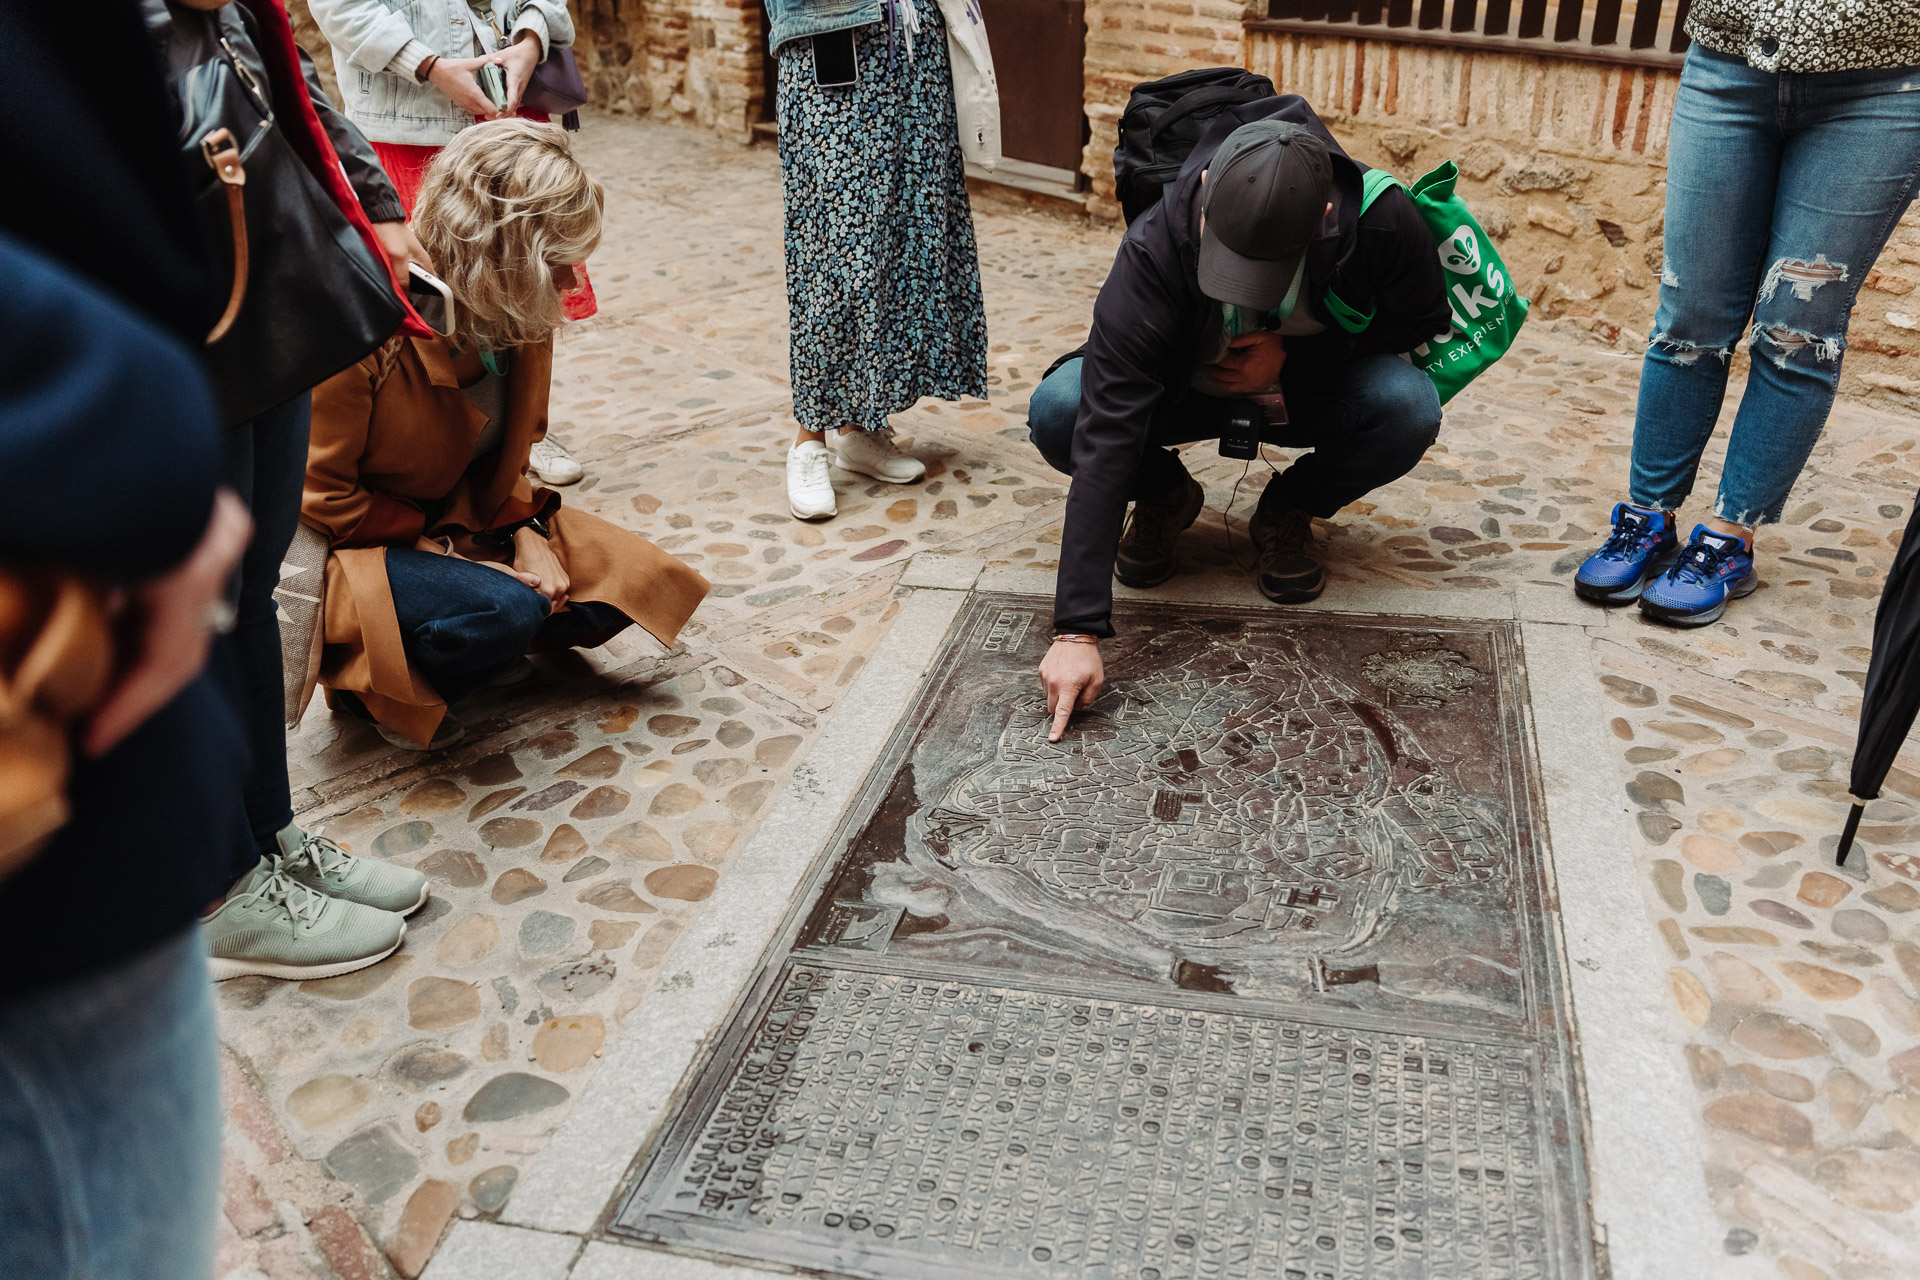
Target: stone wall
1564 162
701 61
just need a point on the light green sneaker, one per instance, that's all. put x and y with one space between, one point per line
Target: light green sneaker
273 925
322 865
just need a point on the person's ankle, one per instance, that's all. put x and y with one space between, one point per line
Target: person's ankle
1728 529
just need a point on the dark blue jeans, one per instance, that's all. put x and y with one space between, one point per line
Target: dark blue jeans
463 623
1782 189
1367 420
267 467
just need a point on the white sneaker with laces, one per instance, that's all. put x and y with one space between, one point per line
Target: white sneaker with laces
873 453
273 925
553 464
324 867
810 482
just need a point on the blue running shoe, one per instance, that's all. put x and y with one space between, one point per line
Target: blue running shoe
1641 544
1711 571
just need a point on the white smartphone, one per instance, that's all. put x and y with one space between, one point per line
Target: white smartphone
431 297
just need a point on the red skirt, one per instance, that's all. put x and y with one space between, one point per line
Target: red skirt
407 163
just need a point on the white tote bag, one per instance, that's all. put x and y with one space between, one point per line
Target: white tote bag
976 94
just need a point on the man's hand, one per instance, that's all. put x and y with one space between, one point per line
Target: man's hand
1252 363
533 556
454 78
518 60
402 248
1073 676
174 619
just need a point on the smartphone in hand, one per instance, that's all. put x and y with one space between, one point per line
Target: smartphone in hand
431 297
493 83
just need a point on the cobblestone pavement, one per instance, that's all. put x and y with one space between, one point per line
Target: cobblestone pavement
592 810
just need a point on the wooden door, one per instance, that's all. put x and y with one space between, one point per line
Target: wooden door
1039 55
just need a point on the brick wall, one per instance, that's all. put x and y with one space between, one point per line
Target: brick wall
1129 41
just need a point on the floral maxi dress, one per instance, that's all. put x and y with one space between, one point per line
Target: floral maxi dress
883 279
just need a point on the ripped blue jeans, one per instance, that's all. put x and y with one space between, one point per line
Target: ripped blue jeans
1782 189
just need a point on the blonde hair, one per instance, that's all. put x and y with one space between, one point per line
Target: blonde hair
502 205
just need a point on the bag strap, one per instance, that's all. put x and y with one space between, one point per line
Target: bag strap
1345 316
1192 102
485 10
1373 183
222 155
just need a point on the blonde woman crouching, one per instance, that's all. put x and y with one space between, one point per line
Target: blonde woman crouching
447 565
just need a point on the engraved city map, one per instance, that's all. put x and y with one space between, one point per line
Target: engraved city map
1252 975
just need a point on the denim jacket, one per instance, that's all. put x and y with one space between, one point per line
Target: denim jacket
798 19
377 44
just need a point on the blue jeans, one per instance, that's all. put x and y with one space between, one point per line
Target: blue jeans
1781 191
267 467
463 623
110 1123
1368 421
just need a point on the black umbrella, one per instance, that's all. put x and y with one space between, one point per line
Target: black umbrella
1892 694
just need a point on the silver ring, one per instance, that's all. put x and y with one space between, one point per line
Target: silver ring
221 617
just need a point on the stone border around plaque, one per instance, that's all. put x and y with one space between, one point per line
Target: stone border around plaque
1647 1190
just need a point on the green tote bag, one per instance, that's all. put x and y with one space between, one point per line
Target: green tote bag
1487 310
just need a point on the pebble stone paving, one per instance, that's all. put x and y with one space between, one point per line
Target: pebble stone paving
592 810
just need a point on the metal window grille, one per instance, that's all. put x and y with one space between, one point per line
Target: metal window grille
1640 32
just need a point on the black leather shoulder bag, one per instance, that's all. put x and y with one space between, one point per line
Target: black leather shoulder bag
306 296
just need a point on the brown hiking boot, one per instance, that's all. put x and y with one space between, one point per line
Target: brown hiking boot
1284 566
1150 548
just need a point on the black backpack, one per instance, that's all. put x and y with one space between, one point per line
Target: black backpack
1163 122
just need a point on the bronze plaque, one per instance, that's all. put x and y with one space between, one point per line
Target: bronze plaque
1254 975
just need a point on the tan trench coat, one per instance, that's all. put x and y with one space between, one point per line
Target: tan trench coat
392 458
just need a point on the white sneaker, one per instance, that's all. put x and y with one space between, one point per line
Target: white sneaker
873 453
553 464
810 482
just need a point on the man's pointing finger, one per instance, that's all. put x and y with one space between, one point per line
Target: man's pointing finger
1063 712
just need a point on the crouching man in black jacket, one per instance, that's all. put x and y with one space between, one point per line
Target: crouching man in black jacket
1255 300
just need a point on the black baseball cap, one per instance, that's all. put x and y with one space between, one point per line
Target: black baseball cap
1265 197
